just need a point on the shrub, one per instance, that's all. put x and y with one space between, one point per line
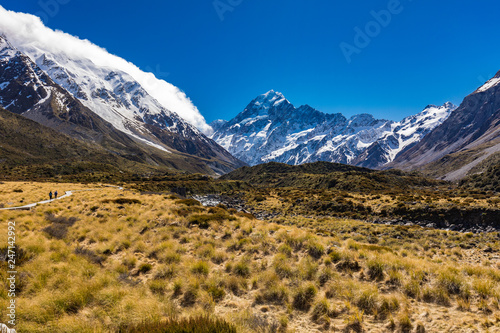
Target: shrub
282 267
190 296
276 294
203 220
387 305
216 292
285 249
59 227
122 201
335 255
404 322
89 255
315 249
188 202
450 280
354 322
20 255
242 269
157 287
69 221
375 269
145 268
200 268
219 257
235 284
321 309
304 297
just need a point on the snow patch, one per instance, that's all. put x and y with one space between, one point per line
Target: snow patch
490 84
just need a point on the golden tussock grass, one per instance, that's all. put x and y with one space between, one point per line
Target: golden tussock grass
128 258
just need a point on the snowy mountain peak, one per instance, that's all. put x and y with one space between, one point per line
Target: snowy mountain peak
490 84
445 106
272 129
361 120
6 48
450 105
269 99
218 123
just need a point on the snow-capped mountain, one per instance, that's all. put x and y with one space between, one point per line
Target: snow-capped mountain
81 57
272 129
404 135
113 94
466 143
28 91
93 103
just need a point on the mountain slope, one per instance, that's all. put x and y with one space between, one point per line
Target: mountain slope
31 150
27 90
469 137
272 129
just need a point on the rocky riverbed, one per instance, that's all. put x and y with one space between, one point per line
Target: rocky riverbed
476 223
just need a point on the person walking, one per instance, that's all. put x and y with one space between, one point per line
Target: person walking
55 194
50 195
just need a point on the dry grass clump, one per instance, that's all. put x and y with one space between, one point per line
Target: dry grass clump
184 325
112 266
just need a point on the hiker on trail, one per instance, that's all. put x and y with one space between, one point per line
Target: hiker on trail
50 195
55 194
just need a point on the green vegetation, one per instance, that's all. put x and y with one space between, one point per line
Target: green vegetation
489 180
324 175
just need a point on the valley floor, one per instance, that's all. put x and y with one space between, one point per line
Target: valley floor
106 260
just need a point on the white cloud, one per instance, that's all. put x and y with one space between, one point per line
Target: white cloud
22 29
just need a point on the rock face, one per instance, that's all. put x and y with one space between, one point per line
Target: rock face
470 136
272 129
100 105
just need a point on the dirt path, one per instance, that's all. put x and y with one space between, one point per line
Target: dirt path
67 194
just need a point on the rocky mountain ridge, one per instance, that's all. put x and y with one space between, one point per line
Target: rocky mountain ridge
272 129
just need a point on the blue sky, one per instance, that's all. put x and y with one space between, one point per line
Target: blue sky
429 53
